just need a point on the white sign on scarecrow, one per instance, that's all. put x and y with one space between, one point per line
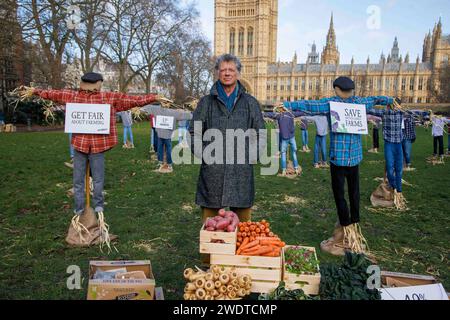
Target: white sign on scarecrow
348 118
164 122
87 118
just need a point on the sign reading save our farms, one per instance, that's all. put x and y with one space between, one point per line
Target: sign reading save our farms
348 118
87 118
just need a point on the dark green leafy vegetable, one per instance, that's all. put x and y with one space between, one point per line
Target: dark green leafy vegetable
347 281
281 293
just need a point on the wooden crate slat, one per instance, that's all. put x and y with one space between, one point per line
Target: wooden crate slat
209 247
217 248
264 287
260 274
245 261
311 282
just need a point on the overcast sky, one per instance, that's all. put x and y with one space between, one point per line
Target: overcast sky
360 30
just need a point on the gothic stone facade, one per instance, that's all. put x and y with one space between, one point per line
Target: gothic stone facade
249 30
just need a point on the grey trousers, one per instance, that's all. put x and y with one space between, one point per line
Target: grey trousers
97 166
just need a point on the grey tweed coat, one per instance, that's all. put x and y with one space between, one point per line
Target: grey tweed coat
226 185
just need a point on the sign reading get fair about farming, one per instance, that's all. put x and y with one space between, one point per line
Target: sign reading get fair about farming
87 118
348 118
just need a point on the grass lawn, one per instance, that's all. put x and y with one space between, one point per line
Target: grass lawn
156 218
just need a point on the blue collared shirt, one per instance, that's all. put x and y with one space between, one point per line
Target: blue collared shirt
345 149
392 124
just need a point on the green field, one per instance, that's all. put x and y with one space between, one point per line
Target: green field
156 218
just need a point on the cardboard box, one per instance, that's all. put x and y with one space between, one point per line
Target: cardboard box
403 286
396 279
118 289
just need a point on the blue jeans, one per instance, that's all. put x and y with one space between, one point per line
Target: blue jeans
320 146
305 137
284 147
393 155
168 144
407 147
182 132
126 131
71 150
97 167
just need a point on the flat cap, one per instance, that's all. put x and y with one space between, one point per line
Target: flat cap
92 77
344 83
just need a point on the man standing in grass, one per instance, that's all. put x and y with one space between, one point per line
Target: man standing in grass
228 107
345 157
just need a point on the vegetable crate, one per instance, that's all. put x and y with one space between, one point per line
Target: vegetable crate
266 272
214 242
309 283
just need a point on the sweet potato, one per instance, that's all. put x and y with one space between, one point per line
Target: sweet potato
210 229
222 212
222 224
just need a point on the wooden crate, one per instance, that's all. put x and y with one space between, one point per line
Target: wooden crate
209 247
308 283
266 272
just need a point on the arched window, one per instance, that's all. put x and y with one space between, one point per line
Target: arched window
250 41
232 41
241 42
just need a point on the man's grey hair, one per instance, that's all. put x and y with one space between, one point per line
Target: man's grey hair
228 58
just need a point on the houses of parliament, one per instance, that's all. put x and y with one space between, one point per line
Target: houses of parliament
249 28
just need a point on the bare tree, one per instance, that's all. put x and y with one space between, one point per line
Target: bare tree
188 71
44 22
91 31
121 45
163 21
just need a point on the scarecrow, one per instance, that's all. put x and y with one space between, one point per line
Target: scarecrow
390 192
85 230
286 126
345 157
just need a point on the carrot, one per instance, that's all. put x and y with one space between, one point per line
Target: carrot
244 234
271 234
241 229
238 244
276 243
262 227
243 244
271 254
252 228
250 245
247 229
267 230
259 251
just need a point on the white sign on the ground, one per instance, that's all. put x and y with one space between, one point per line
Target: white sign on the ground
428 292
348 118
164 122
87 118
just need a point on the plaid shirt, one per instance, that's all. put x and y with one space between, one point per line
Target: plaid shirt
345 149
95 143
392 124
409 132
